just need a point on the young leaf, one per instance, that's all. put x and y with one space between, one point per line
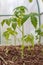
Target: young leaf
14 25
18 11
19 22
29 38
38 31
12 32
6 35
34 21
13 19
20 8
8 21
2 23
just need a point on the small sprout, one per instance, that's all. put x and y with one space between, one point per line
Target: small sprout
28 38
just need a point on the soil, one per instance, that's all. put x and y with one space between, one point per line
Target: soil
11 55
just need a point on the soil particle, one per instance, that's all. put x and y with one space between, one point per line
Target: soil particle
11 55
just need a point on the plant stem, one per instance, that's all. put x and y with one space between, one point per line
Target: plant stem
15 40
22 40
39 18
7 42
22 33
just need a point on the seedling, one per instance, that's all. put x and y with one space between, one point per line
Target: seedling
17 21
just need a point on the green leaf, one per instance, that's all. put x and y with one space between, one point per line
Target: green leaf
25 17
13 19
6 35
12 32
38 31
8 21
41 33
20 8
14 25
30 1
34 21
2 23
19 22
18 11
29 38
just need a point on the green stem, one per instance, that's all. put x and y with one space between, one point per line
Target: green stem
22 33
22 41
15 40
39 18
7 42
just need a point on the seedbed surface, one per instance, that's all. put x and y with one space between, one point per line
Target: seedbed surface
11 55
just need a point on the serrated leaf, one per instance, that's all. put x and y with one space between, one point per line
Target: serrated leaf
14 25
34 21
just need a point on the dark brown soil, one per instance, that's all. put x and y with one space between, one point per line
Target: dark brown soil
11 55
